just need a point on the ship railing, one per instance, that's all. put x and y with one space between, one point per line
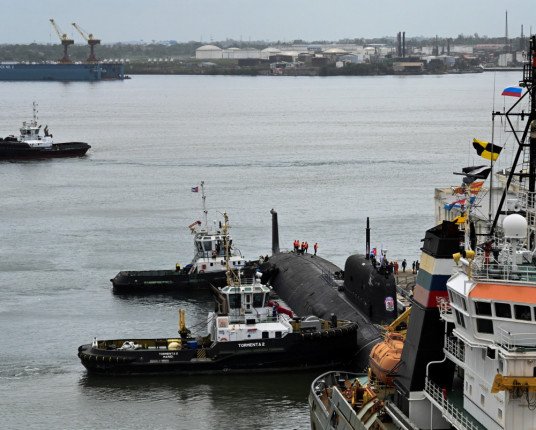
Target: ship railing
454 415
514 341
444 307
456 348
246 319
506 272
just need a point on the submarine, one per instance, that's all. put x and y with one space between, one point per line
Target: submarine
313 285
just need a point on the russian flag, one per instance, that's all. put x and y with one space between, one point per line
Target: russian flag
195 189
512 91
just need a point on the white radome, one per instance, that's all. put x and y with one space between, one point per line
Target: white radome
515 226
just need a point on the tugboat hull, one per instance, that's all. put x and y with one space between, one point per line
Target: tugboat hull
168 281
296 351
13 150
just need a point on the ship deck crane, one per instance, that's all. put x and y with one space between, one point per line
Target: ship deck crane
65 41
91 41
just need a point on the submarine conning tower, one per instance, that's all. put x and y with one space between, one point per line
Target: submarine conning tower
425 336
371 288
370 285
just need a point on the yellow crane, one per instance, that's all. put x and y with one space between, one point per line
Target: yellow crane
91 41
515 384
65 41
400 324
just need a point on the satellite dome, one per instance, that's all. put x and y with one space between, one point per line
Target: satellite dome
515 227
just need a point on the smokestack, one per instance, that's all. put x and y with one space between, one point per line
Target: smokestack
275 233
367 240
399 44
448 46
506 29
403 44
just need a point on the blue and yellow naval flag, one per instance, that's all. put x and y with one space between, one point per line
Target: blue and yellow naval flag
487 150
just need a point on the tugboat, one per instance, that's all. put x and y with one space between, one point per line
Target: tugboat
208 266
246 333
469 353
31 145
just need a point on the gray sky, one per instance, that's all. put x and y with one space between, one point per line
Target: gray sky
26 21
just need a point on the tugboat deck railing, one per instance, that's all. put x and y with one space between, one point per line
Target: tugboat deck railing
455 416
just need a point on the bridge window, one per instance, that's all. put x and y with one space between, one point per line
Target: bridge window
277 334
235 301
484 326
459 318
522 312
483 308
265 334
258 299
503 310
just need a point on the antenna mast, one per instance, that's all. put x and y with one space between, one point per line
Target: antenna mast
204 197
528 82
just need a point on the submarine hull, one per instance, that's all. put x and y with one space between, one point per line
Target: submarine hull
312 285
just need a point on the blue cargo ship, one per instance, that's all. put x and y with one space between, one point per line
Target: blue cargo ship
61 72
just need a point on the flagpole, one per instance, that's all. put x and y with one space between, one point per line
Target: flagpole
492 142
491 165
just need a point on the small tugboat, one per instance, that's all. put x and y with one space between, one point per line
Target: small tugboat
247 333
31 145
208 266
468 358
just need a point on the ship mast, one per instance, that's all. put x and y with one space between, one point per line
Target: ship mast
528 82
233 277
204 197
35 114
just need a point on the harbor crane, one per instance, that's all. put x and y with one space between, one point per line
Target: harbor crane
65 41
91 41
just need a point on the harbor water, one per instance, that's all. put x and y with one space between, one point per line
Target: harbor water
324 152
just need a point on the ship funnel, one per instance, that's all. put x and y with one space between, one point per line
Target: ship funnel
275 233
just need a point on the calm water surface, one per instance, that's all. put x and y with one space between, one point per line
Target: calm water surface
324 152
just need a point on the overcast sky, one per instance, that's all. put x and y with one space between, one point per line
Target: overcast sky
26 21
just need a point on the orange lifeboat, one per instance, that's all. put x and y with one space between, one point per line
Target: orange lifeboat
385 356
